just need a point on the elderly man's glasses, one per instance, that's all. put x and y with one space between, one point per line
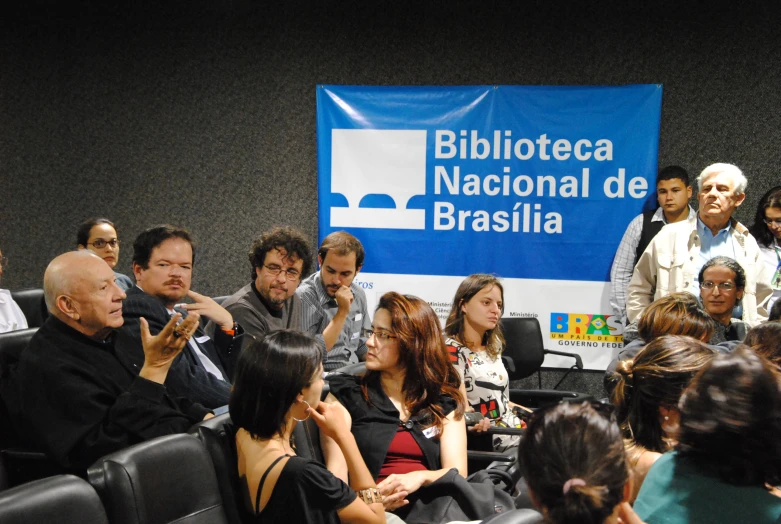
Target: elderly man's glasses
724 286
100 243
772 221
3 261
383 336
290 274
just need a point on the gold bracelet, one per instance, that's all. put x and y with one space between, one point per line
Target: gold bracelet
370 495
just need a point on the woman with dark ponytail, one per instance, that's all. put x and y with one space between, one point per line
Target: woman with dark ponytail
646 397
573 459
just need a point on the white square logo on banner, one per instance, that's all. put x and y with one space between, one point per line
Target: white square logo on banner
378 162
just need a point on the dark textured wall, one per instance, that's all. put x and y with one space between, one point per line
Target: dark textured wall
203 113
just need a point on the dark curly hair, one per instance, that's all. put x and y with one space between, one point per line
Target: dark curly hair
288 239
731 420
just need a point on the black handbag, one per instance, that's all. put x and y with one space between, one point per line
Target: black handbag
452 497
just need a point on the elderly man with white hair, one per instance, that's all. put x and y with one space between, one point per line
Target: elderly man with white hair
78 399
673 259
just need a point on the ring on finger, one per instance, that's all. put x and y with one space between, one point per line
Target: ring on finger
177 333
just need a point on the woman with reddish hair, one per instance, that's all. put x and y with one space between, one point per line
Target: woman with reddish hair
406 412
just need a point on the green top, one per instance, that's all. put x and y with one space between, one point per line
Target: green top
674 491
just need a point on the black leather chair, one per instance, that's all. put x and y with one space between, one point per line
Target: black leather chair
63 499
164 480
22 463
523 355
33 306
218 434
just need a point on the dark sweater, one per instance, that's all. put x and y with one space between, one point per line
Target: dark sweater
79 401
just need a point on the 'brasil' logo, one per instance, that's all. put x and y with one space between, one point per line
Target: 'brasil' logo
579 326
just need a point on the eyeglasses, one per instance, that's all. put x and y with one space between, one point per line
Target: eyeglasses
100 243
383 336
772 221
290 274
724 286
3 261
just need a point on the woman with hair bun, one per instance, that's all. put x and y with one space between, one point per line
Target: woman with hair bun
729 452
573 459
646 397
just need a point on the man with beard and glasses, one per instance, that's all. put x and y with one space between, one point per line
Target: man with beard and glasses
279 258
163 259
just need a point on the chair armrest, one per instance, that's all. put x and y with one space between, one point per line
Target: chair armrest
538 397
504 431
489 456
509 364
578 360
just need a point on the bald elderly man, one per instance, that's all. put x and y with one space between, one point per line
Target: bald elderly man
77 398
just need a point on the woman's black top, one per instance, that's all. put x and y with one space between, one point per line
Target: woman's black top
374 423
304 492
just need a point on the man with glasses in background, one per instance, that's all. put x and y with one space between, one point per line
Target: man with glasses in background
335 308
11 316
673 259
279 259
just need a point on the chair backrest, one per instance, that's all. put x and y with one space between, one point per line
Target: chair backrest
523 345
164 480
55 500
33 306
218 434
11 345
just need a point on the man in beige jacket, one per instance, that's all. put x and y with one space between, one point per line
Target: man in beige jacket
673 259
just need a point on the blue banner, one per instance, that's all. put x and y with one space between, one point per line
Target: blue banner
524 182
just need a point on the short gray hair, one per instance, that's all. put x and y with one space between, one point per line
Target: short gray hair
739 179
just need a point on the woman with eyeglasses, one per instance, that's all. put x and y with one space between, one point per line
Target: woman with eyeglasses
406 412
722 281
767 231
278 383
646 393
572 457
99 235
475 342
728 454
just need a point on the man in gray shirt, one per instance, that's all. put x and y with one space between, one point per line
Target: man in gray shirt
334 308
280 258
